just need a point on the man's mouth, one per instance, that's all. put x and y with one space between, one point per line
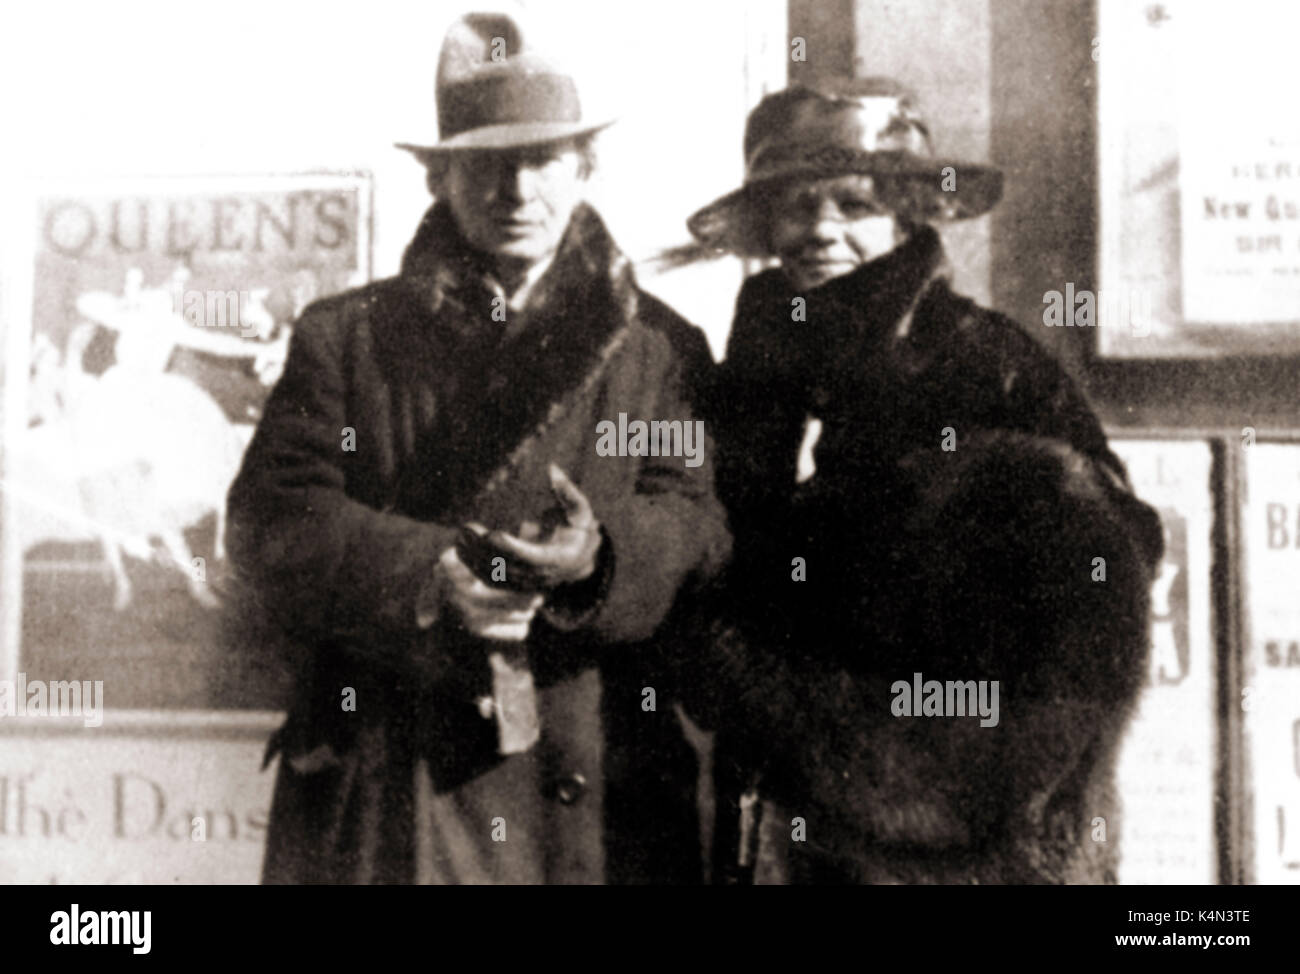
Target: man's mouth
513 222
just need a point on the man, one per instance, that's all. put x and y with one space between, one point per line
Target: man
478 596
965 526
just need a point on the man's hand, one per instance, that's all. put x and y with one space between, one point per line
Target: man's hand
566 554
487 611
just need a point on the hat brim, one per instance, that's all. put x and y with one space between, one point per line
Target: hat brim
910 186
510 136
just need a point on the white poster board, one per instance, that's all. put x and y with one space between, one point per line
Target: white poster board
1199 172
157 805
1239 165
1271 675
1167 764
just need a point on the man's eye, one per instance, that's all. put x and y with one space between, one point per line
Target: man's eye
541 158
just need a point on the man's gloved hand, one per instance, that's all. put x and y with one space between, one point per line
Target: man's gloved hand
487 611
566 548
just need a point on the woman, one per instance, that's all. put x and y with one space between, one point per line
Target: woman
966 521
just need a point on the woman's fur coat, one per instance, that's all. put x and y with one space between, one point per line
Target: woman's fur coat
964 492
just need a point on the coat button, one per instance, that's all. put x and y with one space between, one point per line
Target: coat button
570 788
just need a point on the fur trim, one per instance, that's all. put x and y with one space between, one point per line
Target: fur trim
576 319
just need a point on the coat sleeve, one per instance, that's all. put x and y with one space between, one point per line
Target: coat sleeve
1039 397
671 532
756 402
319 562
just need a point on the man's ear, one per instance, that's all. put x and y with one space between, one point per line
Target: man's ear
585 147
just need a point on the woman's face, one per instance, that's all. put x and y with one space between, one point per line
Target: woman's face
823 228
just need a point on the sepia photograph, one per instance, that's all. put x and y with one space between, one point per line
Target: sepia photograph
702 443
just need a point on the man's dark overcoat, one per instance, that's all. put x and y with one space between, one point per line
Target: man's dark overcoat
963 493
406 408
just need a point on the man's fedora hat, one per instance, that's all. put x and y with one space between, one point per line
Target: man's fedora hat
495 93
867 127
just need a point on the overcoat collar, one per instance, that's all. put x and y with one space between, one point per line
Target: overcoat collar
452 276
508 384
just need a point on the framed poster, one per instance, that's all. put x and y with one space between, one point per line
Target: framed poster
1271 678
152 318
1199 179
1167 766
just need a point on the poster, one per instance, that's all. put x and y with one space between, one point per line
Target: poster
1239 172
1199 156
1166 771
159 318
122 805
1271 674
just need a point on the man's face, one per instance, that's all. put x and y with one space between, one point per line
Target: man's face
823 228
515 204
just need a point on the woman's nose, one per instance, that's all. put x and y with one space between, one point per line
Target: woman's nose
824 222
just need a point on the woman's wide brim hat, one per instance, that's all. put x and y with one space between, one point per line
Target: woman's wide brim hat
495 92
867 127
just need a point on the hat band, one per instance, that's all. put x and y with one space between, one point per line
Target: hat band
779 157
507 99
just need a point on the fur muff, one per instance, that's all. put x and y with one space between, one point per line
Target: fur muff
992 577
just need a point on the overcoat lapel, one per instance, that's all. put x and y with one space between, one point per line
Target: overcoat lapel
499 395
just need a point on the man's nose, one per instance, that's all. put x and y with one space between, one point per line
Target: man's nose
515 183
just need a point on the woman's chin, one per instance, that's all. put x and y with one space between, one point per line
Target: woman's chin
808 276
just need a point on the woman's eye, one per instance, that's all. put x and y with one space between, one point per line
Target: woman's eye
857 208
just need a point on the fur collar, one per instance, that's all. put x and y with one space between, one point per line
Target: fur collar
512 381
881 297
440 263
892 314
